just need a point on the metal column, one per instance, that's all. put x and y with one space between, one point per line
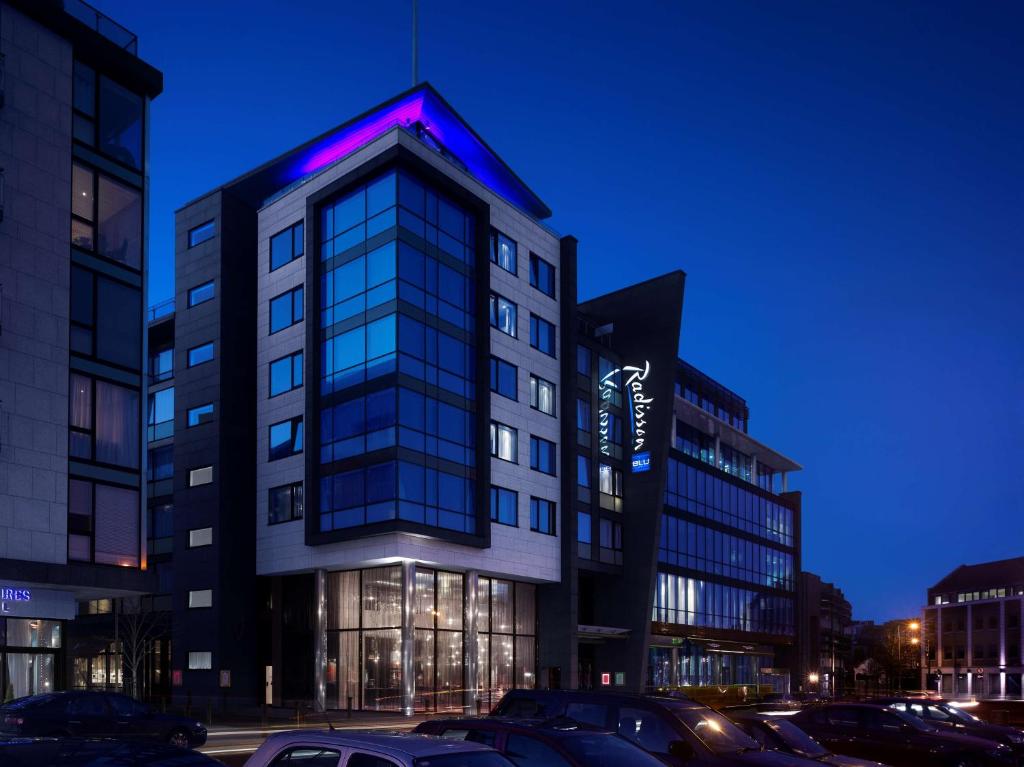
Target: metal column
320 640
471 581
408 637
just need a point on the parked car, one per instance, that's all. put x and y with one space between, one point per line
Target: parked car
944 714
677 730
96 752
873 731
778 733
551 743
97 714
334 748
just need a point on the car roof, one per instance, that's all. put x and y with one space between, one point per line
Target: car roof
558 725
397 743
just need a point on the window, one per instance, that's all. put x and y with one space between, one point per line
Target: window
285 503
611 542
504 506
542 455
524 751
583 414
161 364
286 438
542 275
542 395
200 294
104 422
286 374
200 661
504 442
103 524
120 117
200 598
583 533
610 480
308 756
201 476
504 378
200 414
200 536
105 319
201 233
542 516
503 315
160 420
106 216
503 251
200 354
542 335
286 246
582 470
286 310
365 760
583 360
647 729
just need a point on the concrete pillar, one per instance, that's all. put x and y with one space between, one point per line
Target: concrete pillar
320 640
408 637
1002 648
471 581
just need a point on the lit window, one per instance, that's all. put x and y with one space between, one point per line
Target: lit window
503 315
200 598
200 536
200 476
504 442
542 395
503 251
285 503
200 661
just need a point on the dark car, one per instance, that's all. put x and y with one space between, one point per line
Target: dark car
944 714
553 743
97 714
677 730
778 733
873 731
94 752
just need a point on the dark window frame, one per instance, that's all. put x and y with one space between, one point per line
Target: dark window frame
188 355
494 298
494 453
192 291
297 434
292 515
212 415
298 244
197 235
93 326
535 395
94 118
297 302
94 223
535 263
496 364
550 508
538 323
493 243
270 373
536 464
495 494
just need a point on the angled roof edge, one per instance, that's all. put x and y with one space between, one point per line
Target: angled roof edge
421 104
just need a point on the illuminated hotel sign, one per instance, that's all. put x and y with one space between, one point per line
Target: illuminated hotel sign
13 595
639 407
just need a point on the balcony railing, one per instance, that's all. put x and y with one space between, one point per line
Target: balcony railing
162 309
105 25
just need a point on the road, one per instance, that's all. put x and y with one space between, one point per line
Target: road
233 745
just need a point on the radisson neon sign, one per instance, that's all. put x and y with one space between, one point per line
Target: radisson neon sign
639 409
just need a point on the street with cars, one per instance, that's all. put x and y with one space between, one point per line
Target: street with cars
527 728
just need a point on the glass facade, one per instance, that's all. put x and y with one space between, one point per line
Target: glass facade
397 298
364 627
697 665
695 602
29 657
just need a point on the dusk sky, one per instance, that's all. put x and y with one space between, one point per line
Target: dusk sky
843 184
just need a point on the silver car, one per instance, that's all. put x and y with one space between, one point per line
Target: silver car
343 748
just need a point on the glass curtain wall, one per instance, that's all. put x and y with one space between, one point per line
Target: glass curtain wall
29 650
364 639
691 664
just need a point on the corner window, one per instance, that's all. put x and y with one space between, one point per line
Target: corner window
504 506
106 216
201 414
103 524
504 442
286 374
285 438
118 134
542 516
284 503
503 251
201 476
200 354
160 421
542 335
201 233
504 378
105 319
286 310
103 422
542 275
542 455
200 598
286 246
503 315
542 395
200 294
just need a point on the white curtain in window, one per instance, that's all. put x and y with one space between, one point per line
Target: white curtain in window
81 401
117 526
117 425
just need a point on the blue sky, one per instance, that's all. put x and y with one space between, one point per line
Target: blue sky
841 183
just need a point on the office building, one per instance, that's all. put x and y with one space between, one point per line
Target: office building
972 639
823 639
73 130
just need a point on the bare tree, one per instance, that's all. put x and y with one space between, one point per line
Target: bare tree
136 629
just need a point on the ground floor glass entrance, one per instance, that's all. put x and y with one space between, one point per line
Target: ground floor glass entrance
695 665
29 657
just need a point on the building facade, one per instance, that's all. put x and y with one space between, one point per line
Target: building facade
73 135
972 634
823 640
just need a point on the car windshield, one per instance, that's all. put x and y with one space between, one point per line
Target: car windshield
606 750
464 759
913 721
717 732
19 704
797 739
